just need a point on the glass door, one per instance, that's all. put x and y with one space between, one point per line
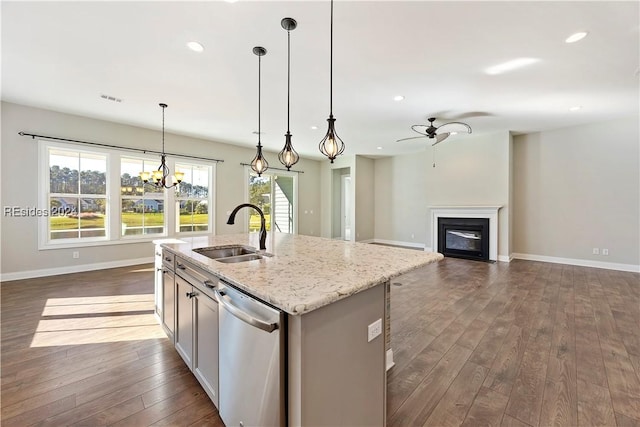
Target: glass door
276 196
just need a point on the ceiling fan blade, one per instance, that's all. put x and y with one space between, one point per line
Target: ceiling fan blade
440 137
413 137
456 127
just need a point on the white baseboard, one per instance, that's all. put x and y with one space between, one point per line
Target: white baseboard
397 243
30 274
366 241
389 359
580 262
505 258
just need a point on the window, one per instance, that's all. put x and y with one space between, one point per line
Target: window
141 206
95 196
77 195
192 198
276 196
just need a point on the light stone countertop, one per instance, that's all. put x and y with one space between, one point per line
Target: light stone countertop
305 273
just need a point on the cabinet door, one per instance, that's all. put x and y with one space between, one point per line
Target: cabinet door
168 301
205 358
184 320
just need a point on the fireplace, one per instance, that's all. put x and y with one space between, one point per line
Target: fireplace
464 237
490 234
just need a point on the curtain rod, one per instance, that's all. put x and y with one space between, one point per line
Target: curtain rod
34 136
277 169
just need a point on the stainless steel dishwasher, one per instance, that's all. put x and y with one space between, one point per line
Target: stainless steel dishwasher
252 355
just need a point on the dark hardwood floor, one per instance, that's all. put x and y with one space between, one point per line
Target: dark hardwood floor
519 344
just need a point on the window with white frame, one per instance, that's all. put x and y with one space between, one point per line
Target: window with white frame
192 198
141 205
77 195
95 195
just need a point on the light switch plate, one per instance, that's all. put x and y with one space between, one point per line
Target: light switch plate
374 329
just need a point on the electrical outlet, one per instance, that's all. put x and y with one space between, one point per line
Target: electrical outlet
76 254
605 251
413 236
596 251
374 329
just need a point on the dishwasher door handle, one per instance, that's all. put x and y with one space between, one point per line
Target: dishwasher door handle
247 318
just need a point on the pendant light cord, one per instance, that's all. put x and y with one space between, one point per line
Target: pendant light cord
259 91
288 74
163 107
331 67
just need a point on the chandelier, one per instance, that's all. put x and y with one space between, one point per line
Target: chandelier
160 177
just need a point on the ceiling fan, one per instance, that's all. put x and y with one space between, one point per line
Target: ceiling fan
439 133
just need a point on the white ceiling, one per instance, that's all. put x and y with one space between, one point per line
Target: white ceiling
64 55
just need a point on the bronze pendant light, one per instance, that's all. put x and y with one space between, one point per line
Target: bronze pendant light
288 156
161 175
331 145
259 164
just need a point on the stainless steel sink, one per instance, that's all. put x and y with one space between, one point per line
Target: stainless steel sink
217 252
240 258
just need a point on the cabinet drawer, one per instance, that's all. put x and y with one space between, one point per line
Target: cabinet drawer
168 260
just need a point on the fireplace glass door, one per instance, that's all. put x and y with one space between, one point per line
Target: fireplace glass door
464 237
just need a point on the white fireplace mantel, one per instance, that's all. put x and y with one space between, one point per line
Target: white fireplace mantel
489 212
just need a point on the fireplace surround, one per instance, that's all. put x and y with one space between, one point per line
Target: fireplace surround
487 212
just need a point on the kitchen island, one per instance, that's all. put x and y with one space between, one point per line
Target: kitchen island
334 301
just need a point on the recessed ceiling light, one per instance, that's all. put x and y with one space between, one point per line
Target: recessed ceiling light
576 37
379 148
398 98
510 65
575 108
314 127
195 46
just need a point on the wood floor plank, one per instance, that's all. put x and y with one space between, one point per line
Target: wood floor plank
487 409
452 408
418 406
509 421
624 421
505 366
93 407
39 413
200 408
594 405
113 414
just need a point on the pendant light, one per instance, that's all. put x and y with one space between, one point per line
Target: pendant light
259 164
331 145
161 175
288 156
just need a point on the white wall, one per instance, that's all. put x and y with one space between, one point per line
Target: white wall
578 188
364 199
19 183
400 198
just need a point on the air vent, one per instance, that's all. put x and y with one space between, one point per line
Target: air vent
110 98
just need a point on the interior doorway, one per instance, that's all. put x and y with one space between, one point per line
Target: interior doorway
345 207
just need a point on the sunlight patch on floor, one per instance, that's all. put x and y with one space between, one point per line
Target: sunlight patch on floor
99 319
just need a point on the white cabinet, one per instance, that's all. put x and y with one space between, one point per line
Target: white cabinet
205 354
184 317
196 332
164 288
